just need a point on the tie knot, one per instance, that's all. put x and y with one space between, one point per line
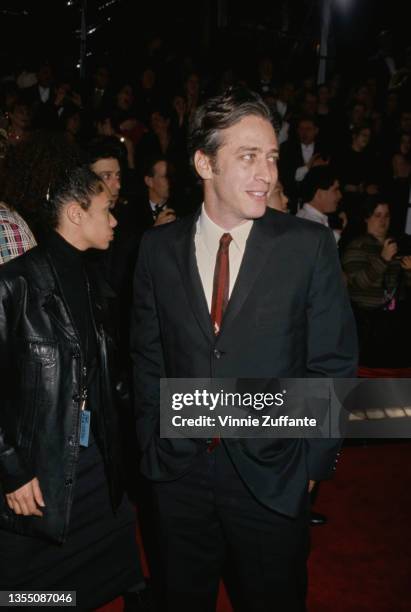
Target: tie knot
157 209
225 241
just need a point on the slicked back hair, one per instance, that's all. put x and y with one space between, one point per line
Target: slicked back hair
79 185
219 113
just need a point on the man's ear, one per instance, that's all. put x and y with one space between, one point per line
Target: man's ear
148 181
203 165
74 213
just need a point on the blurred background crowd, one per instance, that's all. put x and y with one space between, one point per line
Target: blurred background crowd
344 130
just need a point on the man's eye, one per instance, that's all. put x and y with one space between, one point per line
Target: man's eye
248 156
273 158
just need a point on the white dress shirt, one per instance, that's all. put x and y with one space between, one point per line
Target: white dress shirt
207 242
154 208
44 93
307 152
312 214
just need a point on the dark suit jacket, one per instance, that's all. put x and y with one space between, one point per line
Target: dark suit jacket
288 316
291 158
44 114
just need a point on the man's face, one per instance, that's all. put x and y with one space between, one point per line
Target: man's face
159 123
329 198
193 84
97 222
358 114
44 76
125 97
158 184
240 180
109 172
307 132
362 139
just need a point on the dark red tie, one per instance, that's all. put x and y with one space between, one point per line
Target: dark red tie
219 301
221 283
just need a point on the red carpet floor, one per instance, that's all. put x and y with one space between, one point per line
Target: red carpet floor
361 560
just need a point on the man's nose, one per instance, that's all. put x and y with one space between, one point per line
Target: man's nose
266 171
113 221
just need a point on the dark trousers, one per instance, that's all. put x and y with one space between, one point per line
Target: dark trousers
209 518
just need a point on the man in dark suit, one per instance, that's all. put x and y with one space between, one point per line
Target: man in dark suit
237 290
154 208
41 98
298 156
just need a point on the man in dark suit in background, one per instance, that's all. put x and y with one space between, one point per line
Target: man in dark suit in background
41 98
154 208
298 156
284 312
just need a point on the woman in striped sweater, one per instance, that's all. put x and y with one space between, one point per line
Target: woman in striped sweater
378 281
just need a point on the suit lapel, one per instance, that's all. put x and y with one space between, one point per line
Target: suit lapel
187 263
258 248
259 245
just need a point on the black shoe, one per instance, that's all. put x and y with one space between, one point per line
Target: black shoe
317 519
140 601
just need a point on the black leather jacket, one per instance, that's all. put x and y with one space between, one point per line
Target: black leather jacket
42 379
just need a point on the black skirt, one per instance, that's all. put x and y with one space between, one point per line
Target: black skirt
100 559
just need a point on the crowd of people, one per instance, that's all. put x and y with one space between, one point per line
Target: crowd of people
85 171
360 132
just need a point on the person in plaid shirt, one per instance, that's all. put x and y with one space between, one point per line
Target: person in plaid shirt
15 235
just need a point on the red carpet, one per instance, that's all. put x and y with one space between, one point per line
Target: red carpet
362 559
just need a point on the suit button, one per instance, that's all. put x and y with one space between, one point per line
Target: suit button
217 354
69 482
70 441
76 397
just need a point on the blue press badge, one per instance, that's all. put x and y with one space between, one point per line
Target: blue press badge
85 427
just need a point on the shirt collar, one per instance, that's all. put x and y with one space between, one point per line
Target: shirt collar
316 214
309 146
155 205
211 233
